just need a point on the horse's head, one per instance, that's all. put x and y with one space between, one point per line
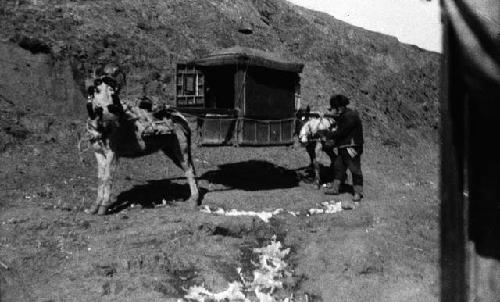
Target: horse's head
103 91
103 106
313 126
301 117
102 99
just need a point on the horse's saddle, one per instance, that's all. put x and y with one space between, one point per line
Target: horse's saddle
158 127
150 120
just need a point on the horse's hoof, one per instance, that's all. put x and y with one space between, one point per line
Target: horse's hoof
102 210
193 202
92 210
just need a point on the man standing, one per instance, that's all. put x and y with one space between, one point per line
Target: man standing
348 138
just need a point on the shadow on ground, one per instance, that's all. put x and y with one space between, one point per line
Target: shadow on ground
154 193
306 174
252 175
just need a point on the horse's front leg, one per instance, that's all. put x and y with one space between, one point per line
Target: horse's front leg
100 158
312 157
314 167
106 163
317 166
109 168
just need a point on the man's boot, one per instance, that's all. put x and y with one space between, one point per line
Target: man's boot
358 193
335 189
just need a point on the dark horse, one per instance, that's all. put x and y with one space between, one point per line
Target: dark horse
117 130
308 128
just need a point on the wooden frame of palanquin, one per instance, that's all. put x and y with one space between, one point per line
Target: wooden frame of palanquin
240 99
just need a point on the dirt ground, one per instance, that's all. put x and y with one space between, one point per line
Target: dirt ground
154 247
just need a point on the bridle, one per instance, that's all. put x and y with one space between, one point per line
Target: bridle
94 110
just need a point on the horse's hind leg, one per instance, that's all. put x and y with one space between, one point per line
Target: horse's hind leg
180 153
312 157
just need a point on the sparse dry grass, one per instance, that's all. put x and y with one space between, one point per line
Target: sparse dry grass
386 250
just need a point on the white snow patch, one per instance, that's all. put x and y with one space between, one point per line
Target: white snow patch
326 207
267 278
265 216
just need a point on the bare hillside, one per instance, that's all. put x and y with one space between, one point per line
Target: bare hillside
394 85
153 247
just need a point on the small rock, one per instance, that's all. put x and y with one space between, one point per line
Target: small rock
104 270
85 224
165 288
118 287
106 289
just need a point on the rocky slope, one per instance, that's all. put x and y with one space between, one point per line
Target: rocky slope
50 41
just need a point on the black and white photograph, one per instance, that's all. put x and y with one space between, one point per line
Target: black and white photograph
249 150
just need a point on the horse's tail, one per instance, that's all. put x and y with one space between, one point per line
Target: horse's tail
179 119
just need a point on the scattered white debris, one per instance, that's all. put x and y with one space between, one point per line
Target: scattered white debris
327 207
315 211
233 292
270 270
267 277
265 216
4 265
162 204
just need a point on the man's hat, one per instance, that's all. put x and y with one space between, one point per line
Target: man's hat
338 100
